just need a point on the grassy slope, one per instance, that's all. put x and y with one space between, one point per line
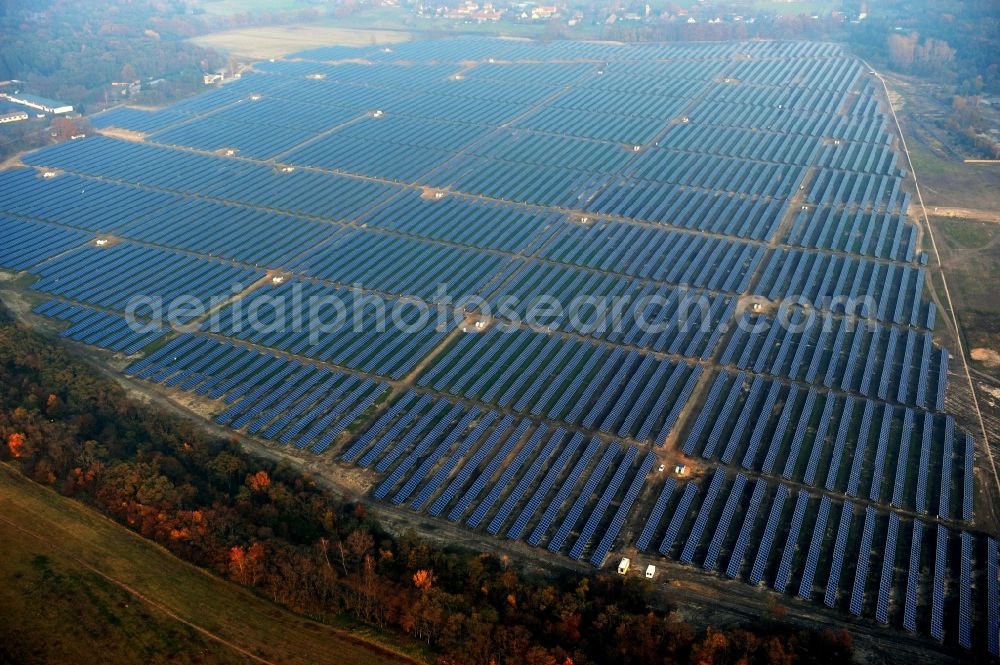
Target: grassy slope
58 603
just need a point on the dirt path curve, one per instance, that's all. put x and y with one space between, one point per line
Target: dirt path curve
135 592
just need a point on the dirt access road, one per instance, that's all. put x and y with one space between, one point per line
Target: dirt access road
966 213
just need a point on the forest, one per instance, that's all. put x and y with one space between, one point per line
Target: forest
272 528
73 51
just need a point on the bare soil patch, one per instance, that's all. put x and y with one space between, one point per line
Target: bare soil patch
277 41
988 357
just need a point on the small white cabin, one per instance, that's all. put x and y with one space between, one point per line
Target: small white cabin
623 566
650 571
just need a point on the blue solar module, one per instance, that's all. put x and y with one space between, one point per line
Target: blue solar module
888 563
389 416
680 512
466 221
785 567
968 462
326 380
562 494
526 386
749 518
767 538
721 379
839 549
902 394
863 561
618 519
524 482
815 545
470 466
136 119
610 490
819 441
102 329
507 476
761 427
323 414
678 404
425 442
749 408
780 429
722 419
140 272
947 452
24 243
965 593
924 463
701 521
940 573
387 180
942 379
841 440
880 453
655 515
993 600
913 577
153 360
446 465
427 462
548 481
722 526
270 392
417 431
584 497
360 405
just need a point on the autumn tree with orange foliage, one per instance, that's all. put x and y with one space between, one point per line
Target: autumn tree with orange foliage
259 481
423 579
63 128
15 444
246 566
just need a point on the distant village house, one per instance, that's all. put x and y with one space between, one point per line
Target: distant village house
13 116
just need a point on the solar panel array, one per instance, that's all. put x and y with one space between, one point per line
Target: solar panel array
868 562
679 182
100 328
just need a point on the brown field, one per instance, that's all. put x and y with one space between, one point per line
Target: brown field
276 41
74 583
970 252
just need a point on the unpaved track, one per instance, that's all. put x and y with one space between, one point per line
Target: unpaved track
951 307
135 592
966 213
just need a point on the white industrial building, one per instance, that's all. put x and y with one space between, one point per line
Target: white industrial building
39 103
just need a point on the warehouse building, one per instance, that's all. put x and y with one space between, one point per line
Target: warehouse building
39 103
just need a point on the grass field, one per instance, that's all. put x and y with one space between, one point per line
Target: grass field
945 181
970 251
365 27
967 234
276 41
71 587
